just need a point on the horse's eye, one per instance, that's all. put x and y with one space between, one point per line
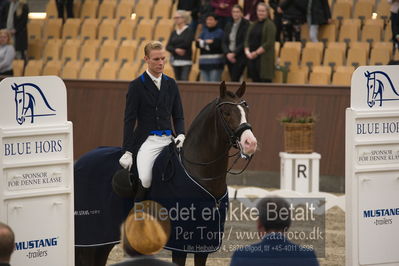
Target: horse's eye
20 101
371 86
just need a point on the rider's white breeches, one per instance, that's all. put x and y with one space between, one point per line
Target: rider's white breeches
147 154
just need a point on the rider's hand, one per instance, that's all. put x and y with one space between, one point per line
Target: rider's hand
179 141
126 160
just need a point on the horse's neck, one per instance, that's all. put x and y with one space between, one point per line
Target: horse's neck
206 141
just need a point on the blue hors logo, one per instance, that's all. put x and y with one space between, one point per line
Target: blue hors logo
38 243
377 81
25 102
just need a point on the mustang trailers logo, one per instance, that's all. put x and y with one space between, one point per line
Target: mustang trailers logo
378 82
26 95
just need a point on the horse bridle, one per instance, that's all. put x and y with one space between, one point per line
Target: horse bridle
234 141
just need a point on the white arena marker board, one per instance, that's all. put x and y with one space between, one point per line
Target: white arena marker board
36 164
372 167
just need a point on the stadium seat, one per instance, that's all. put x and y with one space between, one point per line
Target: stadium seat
163 29
168 70
334 56
109 71
71 70
89 70
145 29
70 50
320 75
361 45
378 21
127 51
289 56
385 45
311 57
298 76
52 50
126 29
343 76
194 74
305 33
89 9
328 33
342 10
356 57
35 48
51 9
124 9
383 10
35 27
34 68
338 45
349 33
143 9
128 71
106 31
88 51
363 10
162 9
18 67
371 33
295 45
316 45
71 28
277 47
52 28
77 5
52 68
89 29
108 50
379 56
107 10
388 32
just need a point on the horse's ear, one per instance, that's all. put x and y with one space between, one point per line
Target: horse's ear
222 89
241 90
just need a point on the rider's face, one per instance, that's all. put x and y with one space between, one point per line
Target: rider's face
156 61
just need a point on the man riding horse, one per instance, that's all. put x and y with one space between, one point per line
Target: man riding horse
152 99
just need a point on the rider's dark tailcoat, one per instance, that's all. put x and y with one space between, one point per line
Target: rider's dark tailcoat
152 109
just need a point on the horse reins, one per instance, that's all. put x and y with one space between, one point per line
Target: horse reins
234 136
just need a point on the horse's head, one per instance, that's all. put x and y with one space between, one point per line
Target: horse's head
19 102
234 111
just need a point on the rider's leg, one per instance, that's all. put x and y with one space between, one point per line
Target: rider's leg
146 156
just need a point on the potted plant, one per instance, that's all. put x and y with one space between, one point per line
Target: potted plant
298 130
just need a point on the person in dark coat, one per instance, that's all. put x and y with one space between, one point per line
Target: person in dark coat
259 46
152 100
7 244
144 234
274 4
318 13
293 16
180 45
14 17
60 8
233 43
274 248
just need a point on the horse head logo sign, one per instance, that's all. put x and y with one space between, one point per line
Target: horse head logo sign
26 95
377 81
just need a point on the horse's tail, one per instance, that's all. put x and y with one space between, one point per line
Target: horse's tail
41 94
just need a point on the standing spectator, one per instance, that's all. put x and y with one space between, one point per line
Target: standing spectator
14 17
179 45
274 4
395 22
7 244
250 9
211 60
193 7
293 12
60 8
259 46
318 13
223 11
7 53
274 248
233 43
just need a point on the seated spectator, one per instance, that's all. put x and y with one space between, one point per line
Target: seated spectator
233 43
318 13
211 60
7 53
179 45
14 17
222 9
144 233
7 244
259 46
293 16
275 248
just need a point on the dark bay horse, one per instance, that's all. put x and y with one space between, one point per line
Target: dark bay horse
219 126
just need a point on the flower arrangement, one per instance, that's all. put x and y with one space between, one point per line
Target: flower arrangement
297 115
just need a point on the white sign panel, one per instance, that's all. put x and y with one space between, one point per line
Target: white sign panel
32 101
372 167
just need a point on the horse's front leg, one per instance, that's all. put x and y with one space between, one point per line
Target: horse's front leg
200 259
179 258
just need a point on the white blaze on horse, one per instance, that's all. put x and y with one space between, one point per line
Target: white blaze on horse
201 165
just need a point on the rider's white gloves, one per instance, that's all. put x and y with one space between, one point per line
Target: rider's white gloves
179 141
126 160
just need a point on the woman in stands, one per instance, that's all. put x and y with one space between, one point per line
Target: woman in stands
7 53
259 46
179 45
